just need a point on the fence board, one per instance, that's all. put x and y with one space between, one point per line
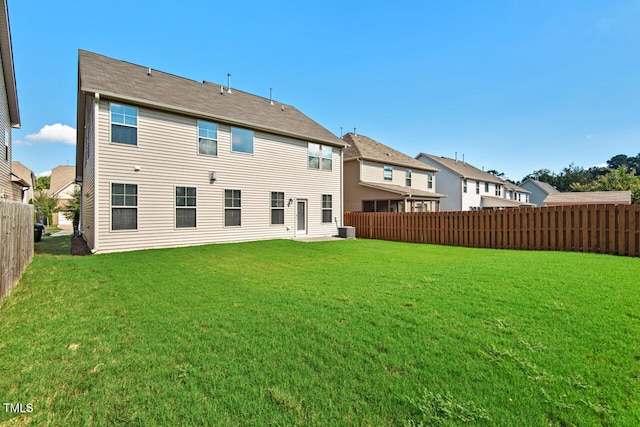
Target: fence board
613 229
16 243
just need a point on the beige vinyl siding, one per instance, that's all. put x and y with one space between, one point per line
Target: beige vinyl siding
372 172
6 187
167 154
87 219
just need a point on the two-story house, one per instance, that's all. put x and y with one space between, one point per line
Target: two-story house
378 178
166 161
539 190
11 186
469 188
25 179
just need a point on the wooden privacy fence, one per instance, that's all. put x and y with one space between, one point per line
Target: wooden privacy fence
610 229
16 243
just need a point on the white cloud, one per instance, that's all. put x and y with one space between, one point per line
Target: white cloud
55 133
45 173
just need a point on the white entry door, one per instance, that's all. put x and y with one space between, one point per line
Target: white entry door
301 217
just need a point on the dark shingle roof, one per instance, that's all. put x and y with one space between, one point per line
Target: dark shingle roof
544 186
366 148
117 79
465 170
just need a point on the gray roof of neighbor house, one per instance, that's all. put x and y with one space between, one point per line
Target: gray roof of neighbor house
544 186
127 82
6 54
510 186
61 176
465 170
588 197
363 147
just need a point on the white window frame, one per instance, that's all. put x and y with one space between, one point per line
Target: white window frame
113 206
273 208
327 207
387 173
498 190
124 115
186 206
238 208
430 180
204 133
253 140
407 178
324 156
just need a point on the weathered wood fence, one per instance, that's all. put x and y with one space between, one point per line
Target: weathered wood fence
611 229
16 243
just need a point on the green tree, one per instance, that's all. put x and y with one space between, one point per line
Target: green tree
45 205
616 180
71 209
43 182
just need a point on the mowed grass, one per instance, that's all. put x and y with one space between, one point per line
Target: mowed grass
357 332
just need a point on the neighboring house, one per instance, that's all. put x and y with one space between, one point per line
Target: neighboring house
589 198
165 161
11 187
378 178
469 188
23 177
539 190
63 184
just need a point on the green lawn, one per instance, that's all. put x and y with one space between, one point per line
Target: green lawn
357 332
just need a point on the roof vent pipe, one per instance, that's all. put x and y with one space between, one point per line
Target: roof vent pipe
221 90
354 131
228 82
456 159
271 95
149 71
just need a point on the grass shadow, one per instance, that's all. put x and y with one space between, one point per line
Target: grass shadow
58 245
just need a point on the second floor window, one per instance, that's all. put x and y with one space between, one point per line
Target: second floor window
207 138
477 187
124 124
407 180
498 190
242 140
387 174
320 156
429 180
464 186
486 187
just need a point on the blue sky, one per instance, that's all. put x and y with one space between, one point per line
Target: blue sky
514 86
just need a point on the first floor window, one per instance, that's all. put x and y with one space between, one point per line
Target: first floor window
185 207
124 206
124 124
277 207
207 138
326 207
232 205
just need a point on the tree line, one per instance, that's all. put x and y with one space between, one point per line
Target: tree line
620 174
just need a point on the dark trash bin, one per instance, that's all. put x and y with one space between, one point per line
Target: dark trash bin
38 231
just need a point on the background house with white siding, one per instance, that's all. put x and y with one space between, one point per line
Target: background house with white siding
166 161
11 186
469 188
378 178
539 190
